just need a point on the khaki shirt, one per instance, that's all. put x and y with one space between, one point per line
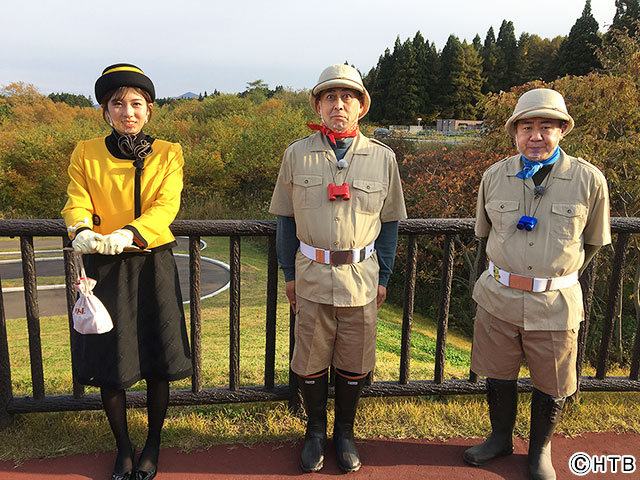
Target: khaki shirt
308 167
573 210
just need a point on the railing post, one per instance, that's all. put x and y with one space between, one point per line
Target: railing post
407 313
587 280
6 391
443 313
33 315
71 275
195 314
270 326
615 290
481 266
294 396
234 314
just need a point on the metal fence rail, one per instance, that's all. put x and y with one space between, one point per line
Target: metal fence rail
235 230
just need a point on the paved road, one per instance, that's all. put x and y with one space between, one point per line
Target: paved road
383 459
213 276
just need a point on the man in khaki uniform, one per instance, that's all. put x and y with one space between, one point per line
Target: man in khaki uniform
338 198
545 214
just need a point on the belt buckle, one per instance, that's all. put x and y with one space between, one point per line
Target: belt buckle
521 282
341 257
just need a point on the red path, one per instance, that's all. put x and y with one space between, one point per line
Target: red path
383 460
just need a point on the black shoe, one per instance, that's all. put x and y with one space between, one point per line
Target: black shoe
348 392
545 415
502 396
122 476
140 475
314 392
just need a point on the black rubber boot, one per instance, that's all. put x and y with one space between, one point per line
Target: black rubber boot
502 396
545 415
347 394
315 392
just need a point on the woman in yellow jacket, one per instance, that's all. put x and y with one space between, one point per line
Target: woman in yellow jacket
124 192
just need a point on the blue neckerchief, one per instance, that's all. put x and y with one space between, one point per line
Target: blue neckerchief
531 167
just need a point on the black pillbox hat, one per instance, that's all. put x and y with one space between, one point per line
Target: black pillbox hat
123 75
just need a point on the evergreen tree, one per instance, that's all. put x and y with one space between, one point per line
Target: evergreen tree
477 43
491 57
71 99
540 54
460 80
380 90
576 55
507 62
627 16
403 98
427 78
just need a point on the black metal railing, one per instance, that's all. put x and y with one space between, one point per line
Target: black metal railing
235 230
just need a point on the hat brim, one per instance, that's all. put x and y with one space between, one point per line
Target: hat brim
117 79
344 83
539 113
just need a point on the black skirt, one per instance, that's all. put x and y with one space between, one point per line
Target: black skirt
149 336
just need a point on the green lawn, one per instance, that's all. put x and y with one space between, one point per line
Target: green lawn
37 435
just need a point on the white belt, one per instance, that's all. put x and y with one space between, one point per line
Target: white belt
531 284
336 257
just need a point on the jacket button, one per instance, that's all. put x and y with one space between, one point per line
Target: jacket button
306 181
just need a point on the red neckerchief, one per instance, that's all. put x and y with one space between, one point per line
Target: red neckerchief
331 135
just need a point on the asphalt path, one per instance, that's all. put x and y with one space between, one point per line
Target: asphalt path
214 276
382 459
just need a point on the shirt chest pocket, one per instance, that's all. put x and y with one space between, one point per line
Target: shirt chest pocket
568 220
307 191
368 196
504 214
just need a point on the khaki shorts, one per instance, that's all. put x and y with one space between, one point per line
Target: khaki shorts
498 348
344 337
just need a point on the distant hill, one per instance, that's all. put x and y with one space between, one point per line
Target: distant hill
188 95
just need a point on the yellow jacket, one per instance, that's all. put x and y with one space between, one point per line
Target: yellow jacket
101 192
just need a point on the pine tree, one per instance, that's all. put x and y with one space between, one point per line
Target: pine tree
403 98
380 90
507 62
539 56
460 80
491 57
627 16
427 78
576 55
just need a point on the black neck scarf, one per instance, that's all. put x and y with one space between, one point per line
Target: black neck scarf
132 147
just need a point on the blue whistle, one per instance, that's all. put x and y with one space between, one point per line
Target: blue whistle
527 223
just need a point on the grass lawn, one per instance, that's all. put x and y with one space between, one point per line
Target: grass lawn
49 434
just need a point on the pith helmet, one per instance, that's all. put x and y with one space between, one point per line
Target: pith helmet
340 76
123 75
540 102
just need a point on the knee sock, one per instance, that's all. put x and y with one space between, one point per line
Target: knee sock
115 407
157 402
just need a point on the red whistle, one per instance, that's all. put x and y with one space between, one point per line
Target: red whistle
339 191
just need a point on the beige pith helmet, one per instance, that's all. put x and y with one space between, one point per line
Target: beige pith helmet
540 102
340 76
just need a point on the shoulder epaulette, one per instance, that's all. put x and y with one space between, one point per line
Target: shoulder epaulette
300 139
378 142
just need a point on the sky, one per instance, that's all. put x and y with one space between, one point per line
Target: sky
198 45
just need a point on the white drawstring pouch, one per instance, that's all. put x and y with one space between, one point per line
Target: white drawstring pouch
90 316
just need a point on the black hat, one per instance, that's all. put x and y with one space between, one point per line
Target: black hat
123 75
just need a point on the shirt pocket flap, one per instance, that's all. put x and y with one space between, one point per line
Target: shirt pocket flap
569 209
368 186
307 180
503 205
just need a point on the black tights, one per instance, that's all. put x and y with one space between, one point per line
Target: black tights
115 407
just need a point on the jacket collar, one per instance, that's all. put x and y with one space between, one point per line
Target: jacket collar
561 169
361 145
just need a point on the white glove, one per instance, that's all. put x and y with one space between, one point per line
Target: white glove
115 243
87 241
